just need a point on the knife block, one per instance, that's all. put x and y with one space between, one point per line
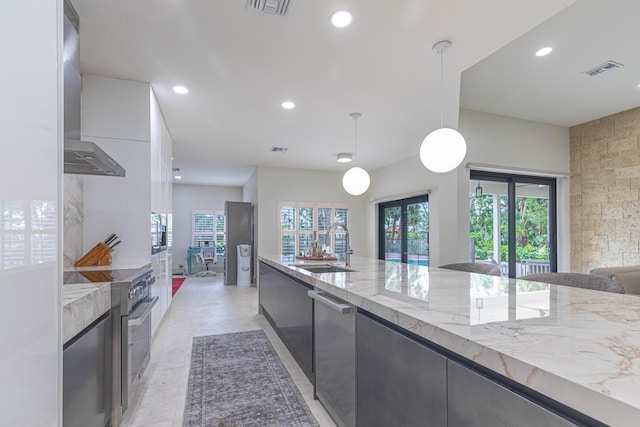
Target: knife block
100 254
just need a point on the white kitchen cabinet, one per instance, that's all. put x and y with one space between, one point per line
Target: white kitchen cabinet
121 205
123 117
160 165
161 288
115 108
31 170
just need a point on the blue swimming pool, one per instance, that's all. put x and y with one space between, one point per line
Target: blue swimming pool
424 262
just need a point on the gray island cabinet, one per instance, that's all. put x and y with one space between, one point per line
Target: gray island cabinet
287 307
426 355
404 382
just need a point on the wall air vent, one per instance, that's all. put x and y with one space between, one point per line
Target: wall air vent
278 149
272 7
602 68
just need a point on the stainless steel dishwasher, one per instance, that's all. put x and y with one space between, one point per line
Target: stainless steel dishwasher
335 357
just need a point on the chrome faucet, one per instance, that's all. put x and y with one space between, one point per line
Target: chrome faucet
348 251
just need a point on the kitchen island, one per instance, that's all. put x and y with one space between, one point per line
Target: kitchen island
578 347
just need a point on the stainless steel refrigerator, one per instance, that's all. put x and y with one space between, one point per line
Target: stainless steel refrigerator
239 232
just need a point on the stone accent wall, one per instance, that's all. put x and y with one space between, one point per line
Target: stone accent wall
605 203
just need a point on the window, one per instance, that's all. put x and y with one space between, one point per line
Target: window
209 227
27 232
298 221
404 230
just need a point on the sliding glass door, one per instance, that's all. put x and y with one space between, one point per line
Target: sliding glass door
513 222
403 227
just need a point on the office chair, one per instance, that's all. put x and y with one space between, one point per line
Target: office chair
206 256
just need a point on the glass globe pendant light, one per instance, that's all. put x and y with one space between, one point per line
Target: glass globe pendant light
443 149
356 180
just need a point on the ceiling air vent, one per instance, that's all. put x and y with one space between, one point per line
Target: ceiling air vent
278 149
272 7
603 68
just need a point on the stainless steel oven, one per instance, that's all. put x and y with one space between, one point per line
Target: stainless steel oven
136 330
131 307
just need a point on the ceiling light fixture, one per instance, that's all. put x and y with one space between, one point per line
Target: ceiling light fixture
344 158
341 18
356 180
177 176
443 149
288 105
180 90
544 51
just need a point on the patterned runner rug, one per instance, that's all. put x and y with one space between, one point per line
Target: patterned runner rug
176 282
238 380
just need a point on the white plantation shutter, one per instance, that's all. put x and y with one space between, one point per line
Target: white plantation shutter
27 232
209 226
299 220
43 226
221 233
202 228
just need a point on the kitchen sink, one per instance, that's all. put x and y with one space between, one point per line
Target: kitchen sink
323 268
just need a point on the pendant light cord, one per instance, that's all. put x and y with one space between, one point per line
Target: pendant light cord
355 139
441 89
355 117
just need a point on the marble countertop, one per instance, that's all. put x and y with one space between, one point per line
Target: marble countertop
82 304
85 302
577 346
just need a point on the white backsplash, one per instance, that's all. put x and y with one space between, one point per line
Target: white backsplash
73 219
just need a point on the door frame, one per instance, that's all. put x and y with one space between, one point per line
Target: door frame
402 203
511 180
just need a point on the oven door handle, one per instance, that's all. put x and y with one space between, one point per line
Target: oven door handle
139 319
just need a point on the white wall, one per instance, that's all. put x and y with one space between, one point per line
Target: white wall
189 198
491 139
31 170
295 185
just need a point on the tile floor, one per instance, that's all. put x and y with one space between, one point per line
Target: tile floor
202 306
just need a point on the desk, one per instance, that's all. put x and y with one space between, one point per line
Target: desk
191 252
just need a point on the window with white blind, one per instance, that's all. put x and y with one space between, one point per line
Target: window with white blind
209 228
298 221
27 232
170 230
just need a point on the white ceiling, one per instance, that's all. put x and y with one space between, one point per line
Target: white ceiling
240 65
554 89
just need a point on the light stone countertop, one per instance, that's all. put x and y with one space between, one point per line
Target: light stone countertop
82 304
577 346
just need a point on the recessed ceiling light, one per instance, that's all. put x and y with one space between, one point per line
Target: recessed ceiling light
288 105
341 18
181 90
177 176
544 51
344 158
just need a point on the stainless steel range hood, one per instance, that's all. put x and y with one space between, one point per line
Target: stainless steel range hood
80 157
86 158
